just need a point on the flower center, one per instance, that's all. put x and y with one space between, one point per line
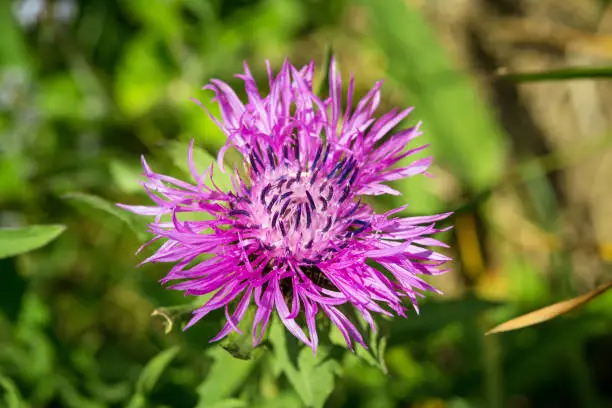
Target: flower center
303 210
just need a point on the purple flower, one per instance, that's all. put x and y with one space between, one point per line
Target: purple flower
293 235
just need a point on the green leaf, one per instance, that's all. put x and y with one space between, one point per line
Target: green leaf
154 369
311 376
229 403
284 399
150 375
101 204
13 47
15 241
454 117
560 74
202 160
226 376
12 398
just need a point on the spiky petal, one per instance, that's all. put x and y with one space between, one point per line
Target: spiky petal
292 237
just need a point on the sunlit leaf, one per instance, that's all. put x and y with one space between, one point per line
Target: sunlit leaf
15 241
311 376
229 403
226 376
549 312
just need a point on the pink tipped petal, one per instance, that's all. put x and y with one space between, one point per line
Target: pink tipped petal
293 231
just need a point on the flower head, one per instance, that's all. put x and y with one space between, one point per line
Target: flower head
293 236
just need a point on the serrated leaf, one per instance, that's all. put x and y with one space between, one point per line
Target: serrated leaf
550 312
202 159
226 375
12 398
101 204
150 375
15 241
311 376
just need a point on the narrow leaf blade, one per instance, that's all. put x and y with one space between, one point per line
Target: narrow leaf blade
152 372
12 398
559 74
549 312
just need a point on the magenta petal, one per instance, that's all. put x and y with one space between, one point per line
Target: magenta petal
293 231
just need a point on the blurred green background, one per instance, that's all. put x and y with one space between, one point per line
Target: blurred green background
86 87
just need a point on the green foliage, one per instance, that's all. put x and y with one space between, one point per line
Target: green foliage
12 397
455 118
312 376
150 375
560 74
82 99
225 377
15 241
